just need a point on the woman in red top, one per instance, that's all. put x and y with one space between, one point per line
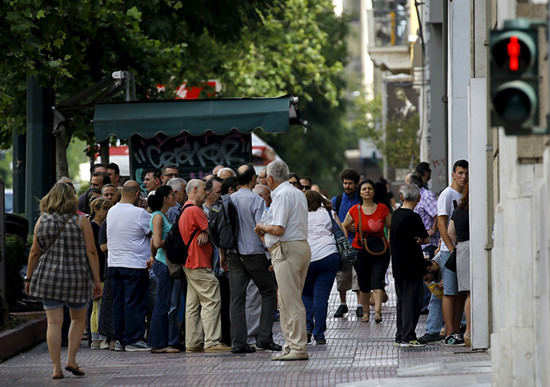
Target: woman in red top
370 269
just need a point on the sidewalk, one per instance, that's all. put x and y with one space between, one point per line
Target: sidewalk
356 354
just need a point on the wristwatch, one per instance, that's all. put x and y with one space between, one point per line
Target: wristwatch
27 279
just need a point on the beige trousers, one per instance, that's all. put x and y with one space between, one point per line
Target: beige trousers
290 263
202 308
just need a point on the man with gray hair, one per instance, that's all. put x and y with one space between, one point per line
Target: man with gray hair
285 233
178 186
407 233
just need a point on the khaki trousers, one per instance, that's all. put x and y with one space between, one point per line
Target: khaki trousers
290 263
202 308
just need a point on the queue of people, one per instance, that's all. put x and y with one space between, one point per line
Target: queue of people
285 260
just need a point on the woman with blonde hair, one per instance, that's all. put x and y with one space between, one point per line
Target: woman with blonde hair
63 268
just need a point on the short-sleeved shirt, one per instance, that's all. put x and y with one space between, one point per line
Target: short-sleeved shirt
407 257
319 234
447 202
250 208
345 205
166 226
289 210
427 209
194 219
373 224
128 236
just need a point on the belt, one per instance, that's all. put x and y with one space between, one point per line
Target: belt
274 247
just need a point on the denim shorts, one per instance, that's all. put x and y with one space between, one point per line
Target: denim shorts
450 283
50 304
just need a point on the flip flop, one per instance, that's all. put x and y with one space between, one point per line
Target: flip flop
58 376
75 370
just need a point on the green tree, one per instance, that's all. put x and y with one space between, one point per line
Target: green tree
256 48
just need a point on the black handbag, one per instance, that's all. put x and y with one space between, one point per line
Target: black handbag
373 245
451 262
348 255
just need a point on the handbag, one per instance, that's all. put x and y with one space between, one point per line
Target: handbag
347 253
451 262
373 245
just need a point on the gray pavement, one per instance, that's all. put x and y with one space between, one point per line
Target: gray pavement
356 354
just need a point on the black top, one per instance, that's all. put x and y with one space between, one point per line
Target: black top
100 255
462 224
407 257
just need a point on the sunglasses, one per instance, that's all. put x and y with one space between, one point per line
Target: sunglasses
306 187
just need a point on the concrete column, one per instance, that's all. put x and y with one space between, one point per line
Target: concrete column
458 80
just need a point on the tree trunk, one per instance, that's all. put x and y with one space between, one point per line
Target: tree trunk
61 165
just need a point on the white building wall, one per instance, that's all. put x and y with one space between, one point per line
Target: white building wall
458 80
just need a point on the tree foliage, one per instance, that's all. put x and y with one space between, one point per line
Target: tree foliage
255 48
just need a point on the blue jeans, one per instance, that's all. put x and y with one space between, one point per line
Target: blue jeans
434 323
158 329
178 292
129 303
319 280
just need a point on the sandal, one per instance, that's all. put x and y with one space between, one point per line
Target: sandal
377 317
365 318
112 345
467 339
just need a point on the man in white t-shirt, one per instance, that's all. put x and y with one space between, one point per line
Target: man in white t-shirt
129 246
453 302
286 238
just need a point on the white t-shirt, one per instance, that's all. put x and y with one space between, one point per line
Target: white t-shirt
289 210
319 234
128 239
445 206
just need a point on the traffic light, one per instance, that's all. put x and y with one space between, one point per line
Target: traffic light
514 84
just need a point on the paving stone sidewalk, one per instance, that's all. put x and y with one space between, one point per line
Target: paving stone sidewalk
356 354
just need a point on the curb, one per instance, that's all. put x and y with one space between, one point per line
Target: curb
24 336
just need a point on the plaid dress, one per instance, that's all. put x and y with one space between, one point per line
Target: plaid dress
63 273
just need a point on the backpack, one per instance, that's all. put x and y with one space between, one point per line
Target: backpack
338 203
175 249
223 224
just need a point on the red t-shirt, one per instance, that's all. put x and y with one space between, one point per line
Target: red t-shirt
373 225
194 218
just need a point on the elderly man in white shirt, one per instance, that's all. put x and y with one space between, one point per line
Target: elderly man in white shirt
285 233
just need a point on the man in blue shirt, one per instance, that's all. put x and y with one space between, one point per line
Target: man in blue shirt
346 280
247 262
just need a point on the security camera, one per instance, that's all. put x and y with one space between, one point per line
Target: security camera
119 74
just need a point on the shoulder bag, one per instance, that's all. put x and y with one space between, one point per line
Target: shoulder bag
373 245
451 261
348 255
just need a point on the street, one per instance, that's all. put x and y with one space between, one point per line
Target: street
361 354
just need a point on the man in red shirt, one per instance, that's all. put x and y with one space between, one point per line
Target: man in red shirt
203 288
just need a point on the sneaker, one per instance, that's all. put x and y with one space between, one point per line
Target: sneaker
359 311
268 347
429 338
398 343
276 316
138 346
322 341
343 308
104 344
291 356
118 346
309 334
415 344
220 347
96 344
194 349
454 340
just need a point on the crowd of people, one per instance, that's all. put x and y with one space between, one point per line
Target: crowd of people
102 256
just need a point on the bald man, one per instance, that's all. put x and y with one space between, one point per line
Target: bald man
129 245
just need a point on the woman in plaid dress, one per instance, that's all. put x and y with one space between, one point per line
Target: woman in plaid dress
63 268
